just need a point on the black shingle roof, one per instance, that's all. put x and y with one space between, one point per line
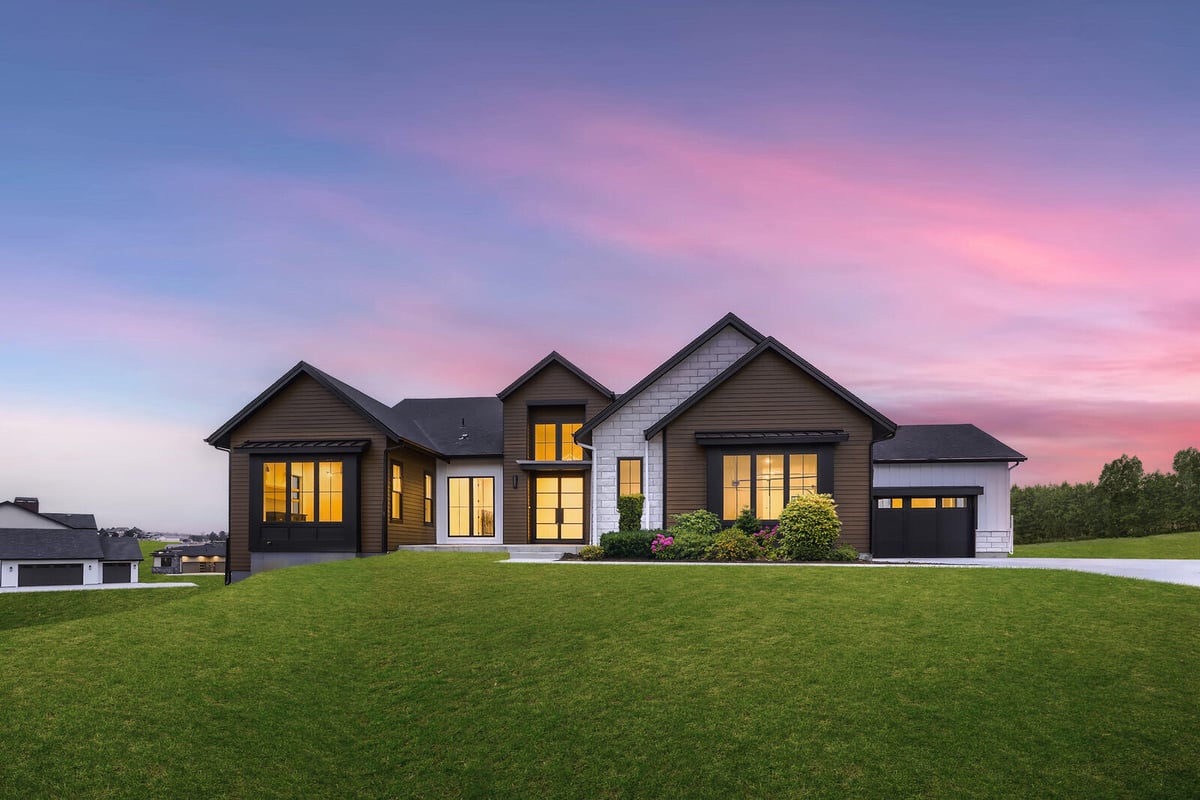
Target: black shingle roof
122 548
458 426
40 543
83 522
923 443
206 549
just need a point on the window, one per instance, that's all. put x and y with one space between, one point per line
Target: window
629 476
890 502
302 491
472 507
428 499
397 492
555 441
923 502
954 502
765 482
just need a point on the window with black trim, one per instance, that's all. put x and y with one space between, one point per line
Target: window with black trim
397 492
629 476
302 491
765 482
428 499
472 506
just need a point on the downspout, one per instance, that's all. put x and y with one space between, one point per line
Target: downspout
592 521
645 473
228 528
1012 534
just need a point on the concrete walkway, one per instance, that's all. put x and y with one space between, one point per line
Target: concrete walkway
94 587
1186 572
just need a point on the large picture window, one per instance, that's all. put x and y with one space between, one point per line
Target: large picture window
472 507
765 482
302 491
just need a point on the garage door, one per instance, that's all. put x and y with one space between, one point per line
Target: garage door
924 527
117 572
50 575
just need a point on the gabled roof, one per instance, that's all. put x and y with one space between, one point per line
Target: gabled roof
206 549
39 543
47 517
83 522
926 443
883 426
730 320
458 426
375 412
555 358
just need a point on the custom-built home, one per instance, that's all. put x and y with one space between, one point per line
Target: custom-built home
42 549
189 559
318 470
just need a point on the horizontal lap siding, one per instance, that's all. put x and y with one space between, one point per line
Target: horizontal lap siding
770 393
306 410
554 383
413 529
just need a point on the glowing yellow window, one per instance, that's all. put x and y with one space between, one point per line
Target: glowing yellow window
629 476
545 441
275 491
301 491
802 475
735 485
570 450
770 486
923 502
329 474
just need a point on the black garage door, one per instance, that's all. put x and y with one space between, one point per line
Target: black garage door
924 527
117 572
50 575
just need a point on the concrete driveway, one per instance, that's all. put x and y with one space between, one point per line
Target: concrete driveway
1186 572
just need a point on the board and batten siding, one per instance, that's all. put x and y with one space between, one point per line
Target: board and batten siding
553 384
304 409
412 529
771 393
993 528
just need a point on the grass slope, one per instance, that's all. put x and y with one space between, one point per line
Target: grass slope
450 675
1168 545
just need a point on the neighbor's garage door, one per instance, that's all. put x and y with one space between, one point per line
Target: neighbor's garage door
924 527
117 572
50 575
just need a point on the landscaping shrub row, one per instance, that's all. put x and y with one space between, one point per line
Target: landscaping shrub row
807 529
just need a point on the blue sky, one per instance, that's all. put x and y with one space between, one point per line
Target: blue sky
963 212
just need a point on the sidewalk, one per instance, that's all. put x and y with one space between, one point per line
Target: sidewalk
1186 572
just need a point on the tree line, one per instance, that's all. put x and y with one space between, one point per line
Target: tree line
1125 501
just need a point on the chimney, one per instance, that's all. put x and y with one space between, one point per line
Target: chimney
27 503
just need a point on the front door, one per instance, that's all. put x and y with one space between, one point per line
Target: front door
558 508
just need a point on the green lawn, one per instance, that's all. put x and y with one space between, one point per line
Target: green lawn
1168 545
451 675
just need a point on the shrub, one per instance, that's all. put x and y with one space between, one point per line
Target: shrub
733 545
685 546
661 542
591 552
843 553
627 544
747 523
701 521
808 526
768 543
629 507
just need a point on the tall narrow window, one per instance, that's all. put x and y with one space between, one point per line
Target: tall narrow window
802 475
428 499
300 494
570 450
329 474
545 442
275 491
736 484
472 506
397 492
769 475
555 441
629 476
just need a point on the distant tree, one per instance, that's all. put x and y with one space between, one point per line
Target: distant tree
1187 474
1120 488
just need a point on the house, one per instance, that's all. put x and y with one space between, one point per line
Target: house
44 549
318 470
189 559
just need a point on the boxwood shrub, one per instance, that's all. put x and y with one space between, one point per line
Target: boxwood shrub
629 511
808 527
687 546
627 544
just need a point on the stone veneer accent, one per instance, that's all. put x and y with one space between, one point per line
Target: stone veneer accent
623 434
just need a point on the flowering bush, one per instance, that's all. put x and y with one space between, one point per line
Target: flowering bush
661 542
768 542
733 545
685 546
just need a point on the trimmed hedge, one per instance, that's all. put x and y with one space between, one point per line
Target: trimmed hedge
628 544
629 509
808 527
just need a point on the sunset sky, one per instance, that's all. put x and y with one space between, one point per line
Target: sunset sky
963 212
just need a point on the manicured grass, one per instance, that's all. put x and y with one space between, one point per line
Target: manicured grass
1168 545
451 675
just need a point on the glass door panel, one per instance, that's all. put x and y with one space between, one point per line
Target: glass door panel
558 508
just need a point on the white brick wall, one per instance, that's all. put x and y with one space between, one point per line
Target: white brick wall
623 434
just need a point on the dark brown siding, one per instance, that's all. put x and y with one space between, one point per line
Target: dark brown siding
770 393
413 529
305 410
553 384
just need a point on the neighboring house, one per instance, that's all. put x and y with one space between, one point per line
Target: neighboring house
321 471
44 549
185 559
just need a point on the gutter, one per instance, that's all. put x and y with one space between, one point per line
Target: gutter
592 521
